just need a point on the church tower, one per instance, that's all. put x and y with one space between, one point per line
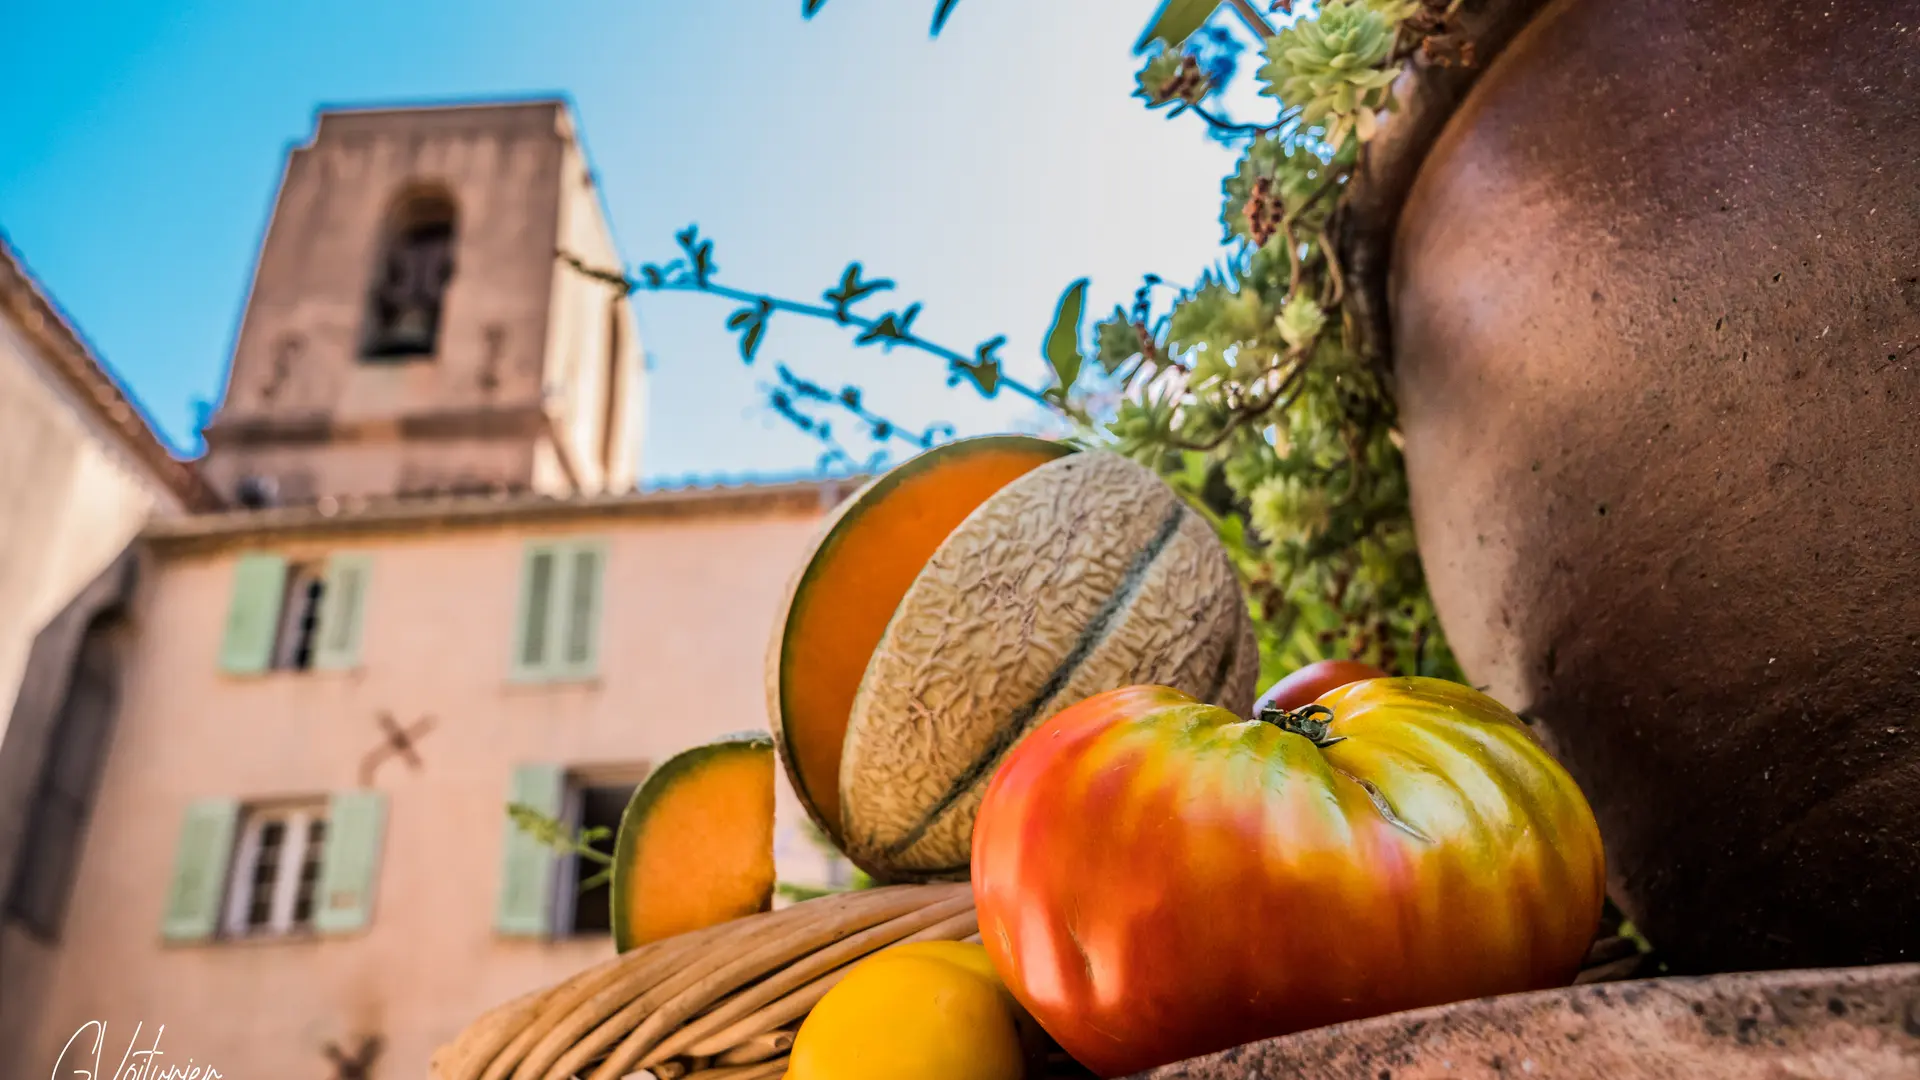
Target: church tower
410 330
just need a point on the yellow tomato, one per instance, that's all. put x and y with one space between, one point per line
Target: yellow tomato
931 1011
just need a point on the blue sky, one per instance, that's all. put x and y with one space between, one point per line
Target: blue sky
983 171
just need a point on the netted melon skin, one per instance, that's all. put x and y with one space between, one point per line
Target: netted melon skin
1085 575
846 513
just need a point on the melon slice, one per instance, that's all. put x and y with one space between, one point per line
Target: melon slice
696 842
868 555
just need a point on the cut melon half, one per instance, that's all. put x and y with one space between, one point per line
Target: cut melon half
867 557
696 842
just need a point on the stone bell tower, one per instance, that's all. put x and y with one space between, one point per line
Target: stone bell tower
410 330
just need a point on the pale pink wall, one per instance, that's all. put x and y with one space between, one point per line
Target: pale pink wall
687 611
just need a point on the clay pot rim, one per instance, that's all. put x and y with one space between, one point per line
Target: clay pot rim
1427 95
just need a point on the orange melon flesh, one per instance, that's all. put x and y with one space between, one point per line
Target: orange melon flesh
696 843
858 576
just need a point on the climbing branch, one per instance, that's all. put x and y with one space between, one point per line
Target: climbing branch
694 272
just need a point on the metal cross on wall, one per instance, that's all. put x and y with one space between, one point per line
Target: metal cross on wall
360 1065
399 742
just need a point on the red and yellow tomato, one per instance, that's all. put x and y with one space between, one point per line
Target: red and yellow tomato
1157 878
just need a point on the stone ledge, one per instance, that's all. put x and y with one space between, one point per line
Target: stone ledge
1833 1023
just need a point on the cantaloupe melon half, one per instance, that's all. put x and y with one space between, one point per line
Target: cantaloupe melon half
866 557
1085 575
696 842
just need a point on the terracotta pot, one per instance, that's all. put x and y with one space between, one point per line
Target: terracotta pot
1654 309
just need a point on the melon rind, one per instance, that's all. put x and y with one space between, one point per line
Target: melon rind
839 524
1085 575
683 768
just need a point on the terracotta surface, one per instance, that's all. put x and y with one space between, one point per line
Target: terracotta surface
1656 310
1859 1024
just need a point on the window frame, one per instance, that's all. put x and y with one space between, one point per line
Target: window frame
302 600
568 873
298 850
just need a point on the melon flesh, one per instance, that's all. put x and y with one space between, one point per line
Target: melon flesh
869 555
696 843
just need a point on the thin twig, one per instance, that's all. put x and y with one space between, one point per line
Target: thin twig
957 362
1243 413
1334 273
1255 21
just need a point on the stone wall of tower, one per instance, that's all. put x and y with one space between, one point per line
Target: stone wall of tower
496 403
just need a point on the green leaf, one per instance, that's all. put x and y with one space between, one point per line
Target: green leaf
851 291
1175 22
1171 76
552 833
752 324
1300 321
894 328
985 368
700 252
1116 341
1062 349
810 8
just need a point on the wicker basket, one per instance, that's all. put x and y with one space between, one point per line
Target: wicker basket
715 1004
723 1003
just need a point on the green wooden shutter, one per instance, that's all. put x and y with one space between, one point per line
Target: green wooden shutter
579 630
253 613
533 644
341 602
351 865
200 870
527 867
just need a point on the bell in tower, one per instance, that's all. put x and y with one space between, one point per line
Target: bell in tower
404 315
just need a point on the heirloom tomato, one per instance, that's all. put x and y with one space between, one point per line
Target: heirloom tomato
1158 879
1303 686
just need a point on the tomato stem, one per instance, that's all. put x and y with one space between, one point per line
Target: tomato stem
1309 721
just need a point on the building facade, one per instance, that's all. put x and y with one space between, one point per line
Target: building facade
432 591
81 473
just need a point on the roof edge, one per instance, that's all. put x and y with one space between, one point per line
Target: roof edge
100 391
345 517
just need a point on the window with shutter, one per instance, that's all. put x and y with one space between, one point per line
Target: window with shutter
343 599
253 614
528 867
581 910
274 876
200 870
350 867
530 651
558 623
582 612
